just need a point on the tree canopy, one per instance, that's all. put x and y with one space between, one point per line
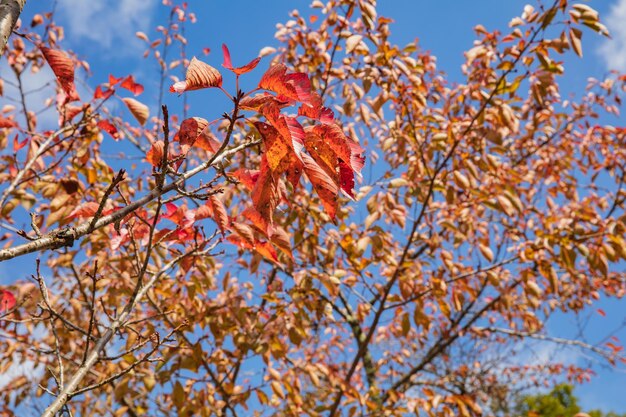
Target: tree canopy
352 233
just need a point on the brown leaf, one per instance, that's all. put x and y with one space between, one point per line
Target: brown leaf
138 109
199 75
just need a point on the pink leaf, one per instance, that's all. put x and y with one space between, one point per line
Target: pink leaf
240 70
7 300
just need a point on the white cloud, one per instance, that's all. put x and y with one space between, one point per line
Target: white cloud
613 51
107 22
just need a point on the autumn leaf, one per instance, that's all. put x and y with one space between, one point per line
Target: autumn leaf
277 147
7 300
109 128
240 70
199 75
288 127
296 86
7 123
63 69
323 184
218 212
132 86
138 109
316 110
100 94
155 154
265 194
84 211
257 101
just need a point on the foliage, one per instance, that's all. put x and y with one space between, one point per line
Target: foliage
559 402
254 264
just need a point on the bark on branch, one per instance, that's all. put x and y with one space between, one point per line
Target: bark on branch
66 236
9 13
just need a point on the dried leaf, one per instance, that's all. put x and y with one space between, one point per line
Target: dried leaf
199 75
138 109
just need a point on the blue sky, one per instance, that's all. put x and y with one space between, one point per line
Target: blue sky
102 32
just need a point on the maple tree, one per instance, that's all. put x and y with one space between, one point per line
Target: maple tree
255 264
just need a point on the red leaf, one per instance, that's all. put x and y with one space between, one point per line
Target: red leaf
67 113
357 158
345 148
207 141
246 177
240 70
7 123
7 300
346 179
98 94
315 110
258 100
138 109
189 131
85 210
155 154
292 86
63 69
199 75
218 212
113 80
322 183
260 222
17 145
109 128
227 62
130 84
288 127
276 147
245 232
181 216
265 194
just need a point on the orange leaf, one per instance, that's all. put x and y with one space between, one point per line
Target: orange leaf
257 220
155 154
281 240
258 100
199 75
294 86
63 69
288 127
265 195
276 147
219 214
324 185
138 109
266 250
